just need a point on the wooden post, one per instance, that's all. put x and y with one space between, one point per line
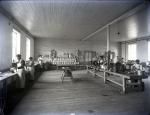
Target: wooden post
95 72
108 38
108 47
124 85
104 77
87 68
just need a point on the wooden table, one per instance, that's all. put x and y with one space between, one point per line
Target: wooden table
135 80
66 73
3 91
125 78
105 75
66 65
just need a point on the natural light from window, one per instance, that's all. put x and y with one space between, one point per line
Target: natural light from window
148 50
15 44
132 52
27 48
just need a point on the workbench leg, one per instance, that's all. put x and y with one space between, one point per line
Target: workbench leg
104 77
124 85
95 73
3 98
62 78
87 67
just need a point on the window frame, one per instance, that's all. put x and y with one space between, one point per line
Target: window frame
130 51
148 46
16 43
28 48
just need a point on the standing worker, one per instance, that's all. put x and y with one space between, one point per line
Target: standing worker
30 68
40 61
21 71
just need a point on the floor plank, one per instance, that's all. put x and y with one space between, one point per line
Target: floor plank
87 95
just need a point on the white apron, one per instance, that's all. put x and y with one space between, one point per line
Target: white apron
21 74
40 61
31 71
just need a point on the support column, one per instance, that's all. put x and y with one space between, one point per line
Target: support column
104 76
108 46
108 38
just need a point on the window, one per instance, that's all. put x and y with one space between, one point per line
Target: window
27 48
15 43
148 50
132 52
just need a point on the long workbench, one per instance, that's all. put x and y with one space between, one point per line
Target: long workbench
123 80
5 79
10 94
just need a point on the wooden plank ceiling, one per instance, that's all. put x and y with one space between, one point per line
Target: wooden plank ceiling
66 19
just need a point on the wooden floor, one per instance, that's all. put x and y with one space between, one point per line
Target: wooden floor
85 96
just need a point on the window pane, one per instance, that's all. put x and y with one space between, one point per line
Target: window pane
15 44
27 48
132 52
148 50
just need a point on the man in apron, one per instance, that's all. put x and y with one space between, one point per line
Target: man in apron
21 71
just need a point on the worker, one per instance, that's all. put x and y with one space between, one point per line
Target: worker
102 62
40 61
94 62
137 67
21 71
66 73
30 68
120 67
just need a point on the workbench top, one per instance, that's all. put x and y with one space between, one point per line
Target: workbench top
4 76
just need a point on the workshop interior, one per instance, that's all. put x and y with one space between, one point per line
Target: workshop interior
74 57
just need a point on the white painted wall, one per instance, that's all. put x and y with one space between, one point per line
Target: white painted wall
142 50
44 46
6 42
123 49
101 47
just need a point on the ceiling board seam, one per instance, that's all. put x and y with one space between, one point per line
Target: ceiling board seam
129 13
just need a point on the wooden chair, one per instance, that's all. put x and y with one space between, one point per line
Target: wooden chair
66 73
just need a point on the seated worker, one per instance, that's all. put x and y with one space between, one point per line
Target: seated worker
13 67
21 70
66 73
30 67
137 67
120 67
94 62
40 61
101 62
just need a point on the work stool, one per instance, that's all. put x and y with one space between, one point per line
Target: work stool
66 73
